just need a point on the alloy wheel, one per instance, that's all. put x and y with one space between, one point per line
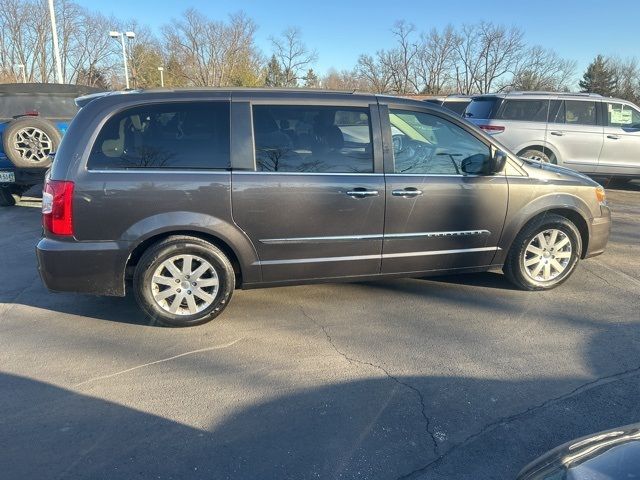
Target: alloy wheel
185 284
33 144
547 255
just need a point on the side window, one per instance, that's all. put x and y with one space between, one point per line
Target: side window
312 139
428 144
620 115
556 111
580 113
525 110
171 135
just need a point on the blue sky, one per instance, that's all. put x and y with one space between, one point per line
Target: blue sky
341 30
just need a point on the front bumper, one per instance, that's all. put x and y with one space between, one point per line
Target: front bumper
599 233
83 267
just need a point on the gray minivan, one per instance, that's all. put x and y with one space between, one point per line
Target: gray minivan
184 195
586 132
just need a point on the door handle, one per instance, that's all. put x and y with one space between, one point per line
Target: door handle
557 134
613 137
362 193
407 192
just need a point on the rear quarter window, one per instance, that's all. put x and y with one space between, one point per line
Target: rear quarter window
524 110
171 135
481 107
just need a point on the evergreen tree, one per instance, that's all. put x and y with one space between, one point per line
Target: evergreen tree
274 76
311 80
599 78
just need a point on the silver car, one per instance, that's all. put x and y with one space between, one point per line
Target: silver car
586 132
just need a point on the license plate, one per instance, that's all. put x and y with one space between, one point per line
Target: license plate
7 177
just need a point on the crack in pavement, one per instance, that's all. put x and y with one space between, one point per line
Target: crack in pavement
162 360
350 359
516 416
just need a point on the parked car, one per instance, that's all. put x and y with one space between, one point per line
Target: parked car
610 455
33 118
455 103
586 132
192 193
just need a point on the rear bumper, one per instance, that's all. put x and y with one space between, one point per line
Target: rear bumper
600 230
83 267
25 176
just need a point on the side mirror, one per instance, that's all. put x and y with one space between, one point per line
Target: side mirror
480 164
498 161
475 164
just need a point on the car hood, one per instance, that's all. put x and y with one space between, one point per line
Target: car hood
549 171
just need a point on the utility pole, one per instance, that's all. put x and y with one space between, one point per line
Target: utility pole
114 34
56 49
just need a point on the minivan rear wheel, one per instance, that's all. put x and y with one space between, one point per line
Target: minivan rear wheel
183 281
544 254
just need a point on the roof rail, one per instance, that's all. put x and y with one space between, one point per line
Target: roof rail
572 94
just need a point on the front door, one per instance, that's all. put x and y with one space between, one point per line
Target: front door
621 150
575 130
438 217
313 202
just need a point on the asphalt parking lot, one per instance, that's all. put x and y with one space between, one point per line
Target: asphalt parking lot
454 377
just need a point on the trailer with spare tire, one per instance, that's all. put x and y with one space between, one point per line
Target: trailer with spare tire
33 118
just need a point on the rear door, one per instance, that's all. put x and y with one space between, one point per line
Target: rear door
621 150
309 192
437 217
575 130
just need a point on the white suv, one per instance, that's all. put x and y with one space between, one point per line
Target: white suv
587 132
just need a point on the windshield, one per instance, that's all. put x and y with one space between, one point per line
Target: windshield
46 105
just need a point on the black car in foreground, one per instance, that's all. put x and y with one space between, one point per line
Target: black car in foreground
610 455
33 118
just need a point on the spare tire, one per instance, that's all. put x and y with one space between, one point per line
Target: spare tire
28 142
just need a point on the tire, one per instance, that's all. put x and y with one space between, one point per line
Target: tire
7 199
194 308
28 141
520 252
536 154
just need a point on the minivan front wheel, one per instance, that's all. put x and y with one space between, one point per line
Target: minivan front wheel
183 281
544 254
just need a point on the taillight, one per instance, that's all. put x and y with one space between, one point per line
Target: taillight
57 208
492 128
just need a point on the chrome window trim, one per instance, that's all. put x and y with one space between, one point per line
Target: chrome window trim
159 170
348 238
375 257
347 174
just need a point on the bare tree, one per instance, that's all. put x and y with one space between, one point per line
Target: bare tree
293 56
343 80
627 73
435 61
375 72
213 53
541 69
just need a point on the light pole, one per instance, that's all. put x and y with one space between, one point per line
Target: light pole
20 66
161 70
56 49
114 34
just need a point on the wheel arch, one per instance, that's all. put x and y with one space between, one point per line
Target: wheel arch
572 208
539 145
223 245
